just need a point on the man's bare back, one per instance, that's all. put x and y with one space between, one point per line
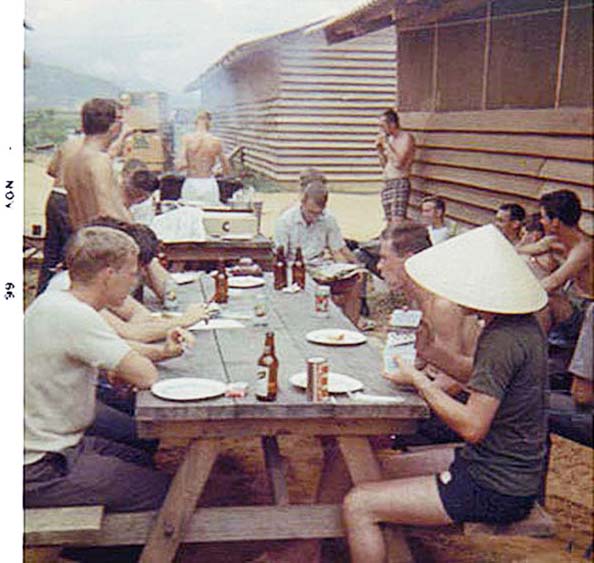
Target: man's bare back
200 151
91 186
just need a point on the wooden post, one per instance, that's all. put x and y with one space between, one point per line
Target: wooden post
487 55
560 62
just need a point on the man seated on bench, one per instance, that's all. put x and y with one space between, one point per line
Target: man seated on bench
571 416
66 343
446 338
131 319
571 284
496 476
310 226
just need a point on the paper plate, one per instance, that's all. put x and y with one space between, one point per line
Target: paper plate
188 389
216 324
185 277
336 337
244 282
337 382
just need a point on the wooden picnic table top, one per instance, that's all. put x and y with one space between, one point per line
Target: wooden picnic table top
230 355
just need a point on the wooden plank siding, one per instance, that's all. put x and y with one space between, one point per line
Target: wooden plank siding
478 160
321 108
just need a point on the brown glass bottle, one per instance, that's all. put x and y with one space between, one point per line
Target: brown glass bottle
279 269
221 284
298 269
267 384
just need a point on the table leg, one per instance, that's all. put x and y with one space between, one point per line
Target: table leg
364 467
180 503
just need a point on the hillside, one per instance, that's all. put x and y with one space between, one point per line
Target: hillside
48 86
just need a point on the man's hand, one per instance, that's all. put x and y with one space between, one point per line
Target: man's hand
407 374
196 312
380 142
177 341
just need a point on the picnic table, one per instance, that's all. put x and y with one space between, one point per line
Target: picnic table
342 425
205 254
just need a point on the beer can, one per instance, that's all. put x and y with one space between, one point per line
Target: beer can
317 379
322 301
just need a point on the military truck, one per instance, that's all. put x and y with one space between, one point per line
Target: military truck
152 140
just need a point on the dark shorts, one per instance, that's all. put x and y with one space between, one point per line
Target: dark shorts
467 501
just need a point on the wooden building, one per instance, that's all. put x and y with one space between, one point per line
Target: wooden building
292 101
498 95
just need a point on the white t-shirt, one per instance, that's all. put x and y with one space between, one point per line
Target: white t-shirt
292 231
59 282
143 212
66 342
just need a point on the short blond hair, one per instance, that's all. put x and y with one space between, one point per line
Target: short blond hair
91 249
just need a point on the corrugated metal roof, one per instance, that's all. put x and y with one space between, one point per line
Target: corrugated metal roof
377 8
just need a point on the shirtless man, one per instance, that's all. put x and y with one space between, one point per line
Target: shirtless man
572 249
199 153
396 150
446 338
508 220
88 174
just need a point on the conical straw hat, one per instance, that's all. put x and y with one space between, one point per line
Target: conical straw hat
481 270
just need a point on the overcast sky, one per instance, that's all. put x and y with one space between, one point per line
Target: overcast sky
167 43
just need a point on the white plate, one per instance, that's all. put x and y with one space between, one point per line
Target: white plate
216 324
337 383
244 282
188 388
185 277
336 337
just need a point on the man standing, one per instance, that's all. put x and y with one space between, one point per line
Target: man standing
315 230
496 476
433 215
200 151
88 173
509 220
396 150
66 343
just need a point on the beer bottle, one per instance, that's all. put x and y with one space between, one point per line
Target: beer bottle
279 269
298 269
267 384
161 255
221 284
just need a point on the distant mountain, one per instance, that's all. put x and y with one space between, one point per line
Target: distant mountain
48 86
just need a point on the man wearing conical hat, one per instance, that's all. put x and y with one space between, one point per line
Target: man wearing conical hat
496 476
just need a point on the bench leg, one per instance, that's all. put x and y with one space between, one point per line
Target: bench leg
180 503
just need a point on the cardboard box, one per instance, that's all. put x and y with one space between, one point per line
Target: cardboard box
230 223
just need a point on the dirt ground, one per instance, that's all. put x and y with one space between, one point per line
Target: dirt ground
240 478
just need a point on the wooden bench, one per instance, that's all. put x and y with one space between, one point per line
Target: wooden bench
46 530
427 460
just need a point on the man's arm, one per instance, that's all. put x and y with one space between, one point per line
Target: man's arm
109 197
344 254
54 165
402 151
471 420
381 149
136 369
444 347
577 259
176 339
181 162
133 321
225 164
156 278
117 146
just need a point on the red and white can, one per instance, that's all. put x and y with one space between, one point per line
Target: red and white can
322 301
317 379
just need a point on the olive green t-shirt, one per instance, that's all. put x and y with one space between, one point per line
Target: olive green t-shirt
510 364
